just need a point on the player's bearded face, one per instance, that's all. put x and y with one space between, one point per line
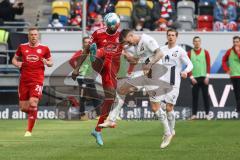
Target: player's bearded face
33 37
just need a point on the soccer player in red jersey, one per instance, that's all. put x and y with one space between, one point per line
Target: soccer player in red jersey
31 58
105 51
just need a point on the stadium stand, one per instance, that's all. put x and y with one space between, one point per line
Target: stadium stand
61 7
185 15
124 8
205 23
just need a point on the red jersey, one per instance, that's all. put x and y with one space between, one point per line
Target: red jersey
32 69
111 47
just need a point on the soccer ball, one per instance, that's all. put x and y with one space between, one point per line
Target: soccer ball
112 21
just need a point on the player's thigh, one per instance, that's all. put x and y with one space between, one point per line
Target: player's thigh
171 99
35 94
24 105
155 106
33 101
126 88
23 93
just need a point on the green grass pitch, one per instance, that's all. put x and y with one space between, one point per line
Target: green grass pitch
131 140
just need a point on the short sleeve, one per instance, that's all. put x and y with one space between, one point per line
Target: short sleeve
19 52
93 38
47 53
151 44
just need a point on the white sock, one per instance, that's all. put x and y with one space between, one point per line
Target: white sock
163 118
117 108
171 120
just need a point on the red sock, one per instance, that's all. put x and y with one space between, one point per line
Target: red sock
32 116
105 109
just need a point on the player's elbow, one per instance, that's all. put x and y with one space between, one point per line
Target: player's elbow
14 61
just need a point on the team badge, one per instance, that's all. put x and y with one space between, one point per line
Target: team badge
175 54
27 51
39 51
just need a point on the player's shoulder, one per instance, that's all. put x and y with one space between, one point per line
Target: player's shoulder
24 45
146 37
163 48
180 49
43 45
100 31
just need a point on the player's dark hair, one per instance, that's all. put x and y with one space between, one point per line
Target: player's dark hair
32 29
123 34
196 37
84 38
172 30
236 37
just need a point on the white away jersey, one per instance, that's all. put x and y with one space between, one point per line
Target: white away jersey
174 59
145 48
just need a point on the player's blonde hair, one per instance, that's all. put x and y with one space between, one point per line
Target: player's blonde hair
32 29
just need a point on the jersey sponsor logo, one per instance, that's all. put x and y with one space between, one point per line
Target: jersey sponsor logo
111 47
39 51
175 54
32 58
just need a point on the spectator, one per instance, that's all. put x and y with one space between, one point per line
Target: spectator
231 65
98 23
9 10
76 20
4 37
87 88
3 33
55 23
199 76
94 6
141 15
107 6
162 15
225 16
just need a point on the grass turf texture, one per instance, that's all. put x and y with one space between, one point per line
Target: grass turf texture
131 140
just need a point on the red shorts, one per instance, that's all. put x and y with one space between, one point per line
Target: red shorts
26 90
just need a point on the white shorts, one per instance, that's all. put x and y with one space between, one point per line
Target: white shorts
170 97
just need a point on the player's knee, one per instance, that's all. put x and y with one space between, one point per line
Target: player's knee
121 91
169 107
33 101
155 106
24 109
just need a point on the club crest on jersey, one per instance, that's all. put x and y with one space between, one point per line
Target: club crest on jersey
142 48
27 51
39 51
175 54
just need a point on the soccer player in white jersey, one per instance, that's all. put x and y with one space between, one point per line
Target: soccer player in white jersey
147 52
174 58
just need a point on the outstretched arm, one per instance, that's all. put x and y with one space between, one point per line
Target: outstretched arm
158 54
130 58
80 60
